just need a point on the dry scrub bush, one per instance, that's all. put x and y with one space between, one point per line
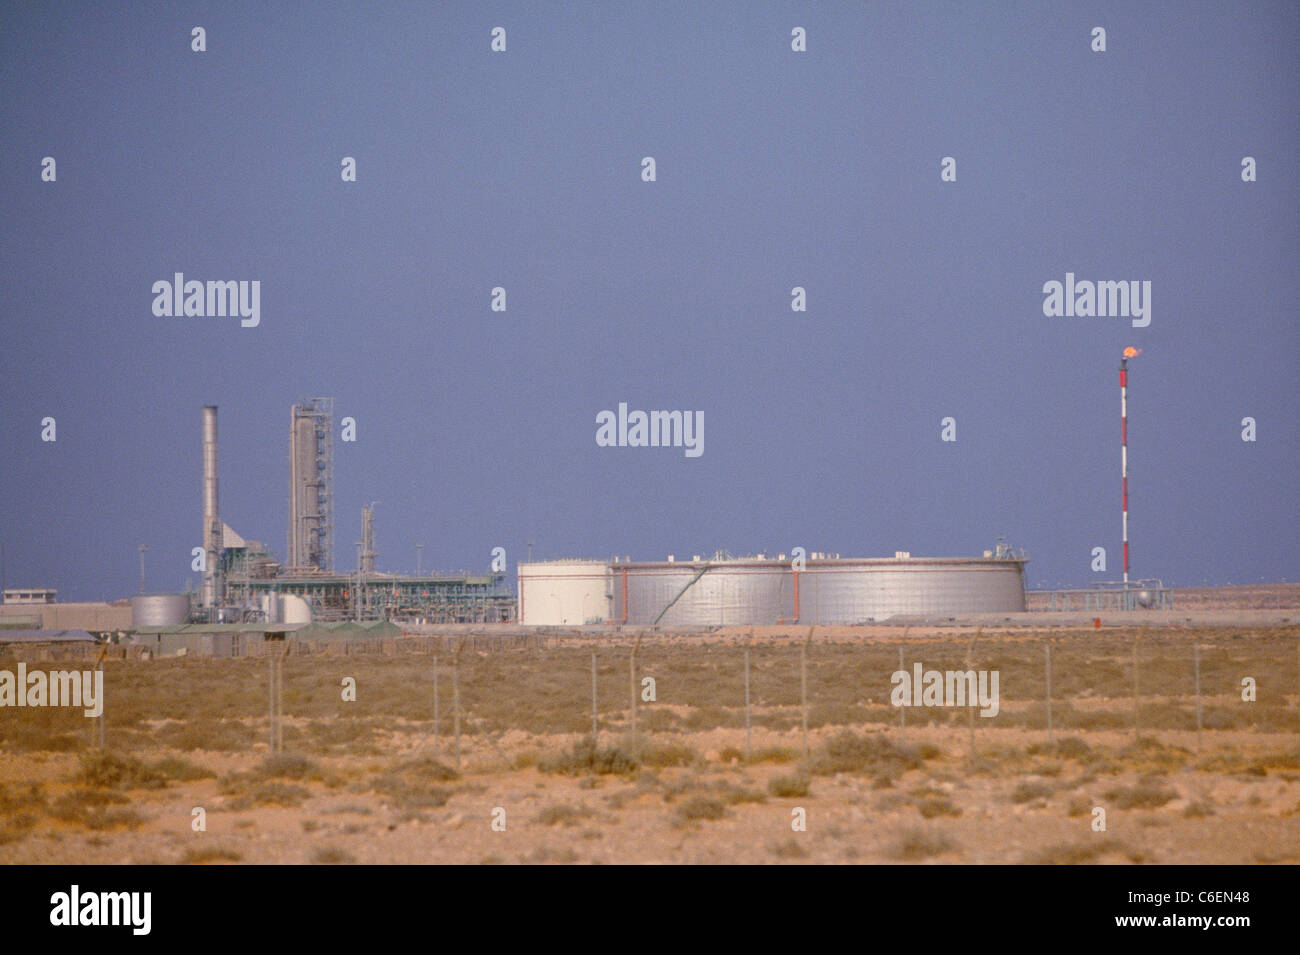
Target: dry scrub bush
916 844
788 786
1146 794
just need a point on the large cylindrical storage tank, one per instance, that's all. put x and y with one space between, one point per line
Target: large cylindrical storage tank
160 610
860 591
701 594
825 591
564 593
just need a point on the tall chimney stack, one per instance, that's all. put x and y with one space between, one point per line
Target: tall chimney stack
211 520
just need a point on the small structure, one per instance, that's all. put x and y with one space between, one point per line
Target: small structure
33 638
247 639
34 645
46 615
31 595
210 639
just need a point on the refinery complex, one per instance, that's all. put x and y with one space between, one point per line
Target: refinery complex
244 584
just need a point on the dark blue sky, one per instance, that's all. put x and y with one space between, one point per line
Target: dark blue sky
775 169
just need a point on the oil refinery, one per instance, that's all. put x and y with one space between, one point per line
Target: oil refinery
243 583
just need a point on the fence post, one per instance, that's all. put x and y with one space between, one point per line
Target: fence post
435 702
1196 666
902 709
746 704
631 683
455 692
270 700
1047 647
102 731
970 710
279 703
1136 719
803 693
970 665
594 729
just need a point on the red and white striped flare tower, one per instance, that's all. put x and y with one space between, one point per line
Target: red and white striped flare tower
1129 352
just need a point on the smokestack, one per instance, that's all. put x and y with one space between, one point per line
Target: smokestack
368 538
211 519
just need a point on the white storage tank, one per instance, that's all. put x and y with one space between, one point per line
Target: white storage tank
293 609
564 593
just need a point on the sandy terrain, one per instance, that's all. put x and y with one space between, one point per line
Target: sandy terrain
367 781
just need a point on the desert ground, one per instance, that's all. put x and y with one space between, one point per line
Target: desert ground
473 750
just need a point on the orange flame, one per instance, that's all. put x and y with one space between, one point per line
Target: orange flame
1132 352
